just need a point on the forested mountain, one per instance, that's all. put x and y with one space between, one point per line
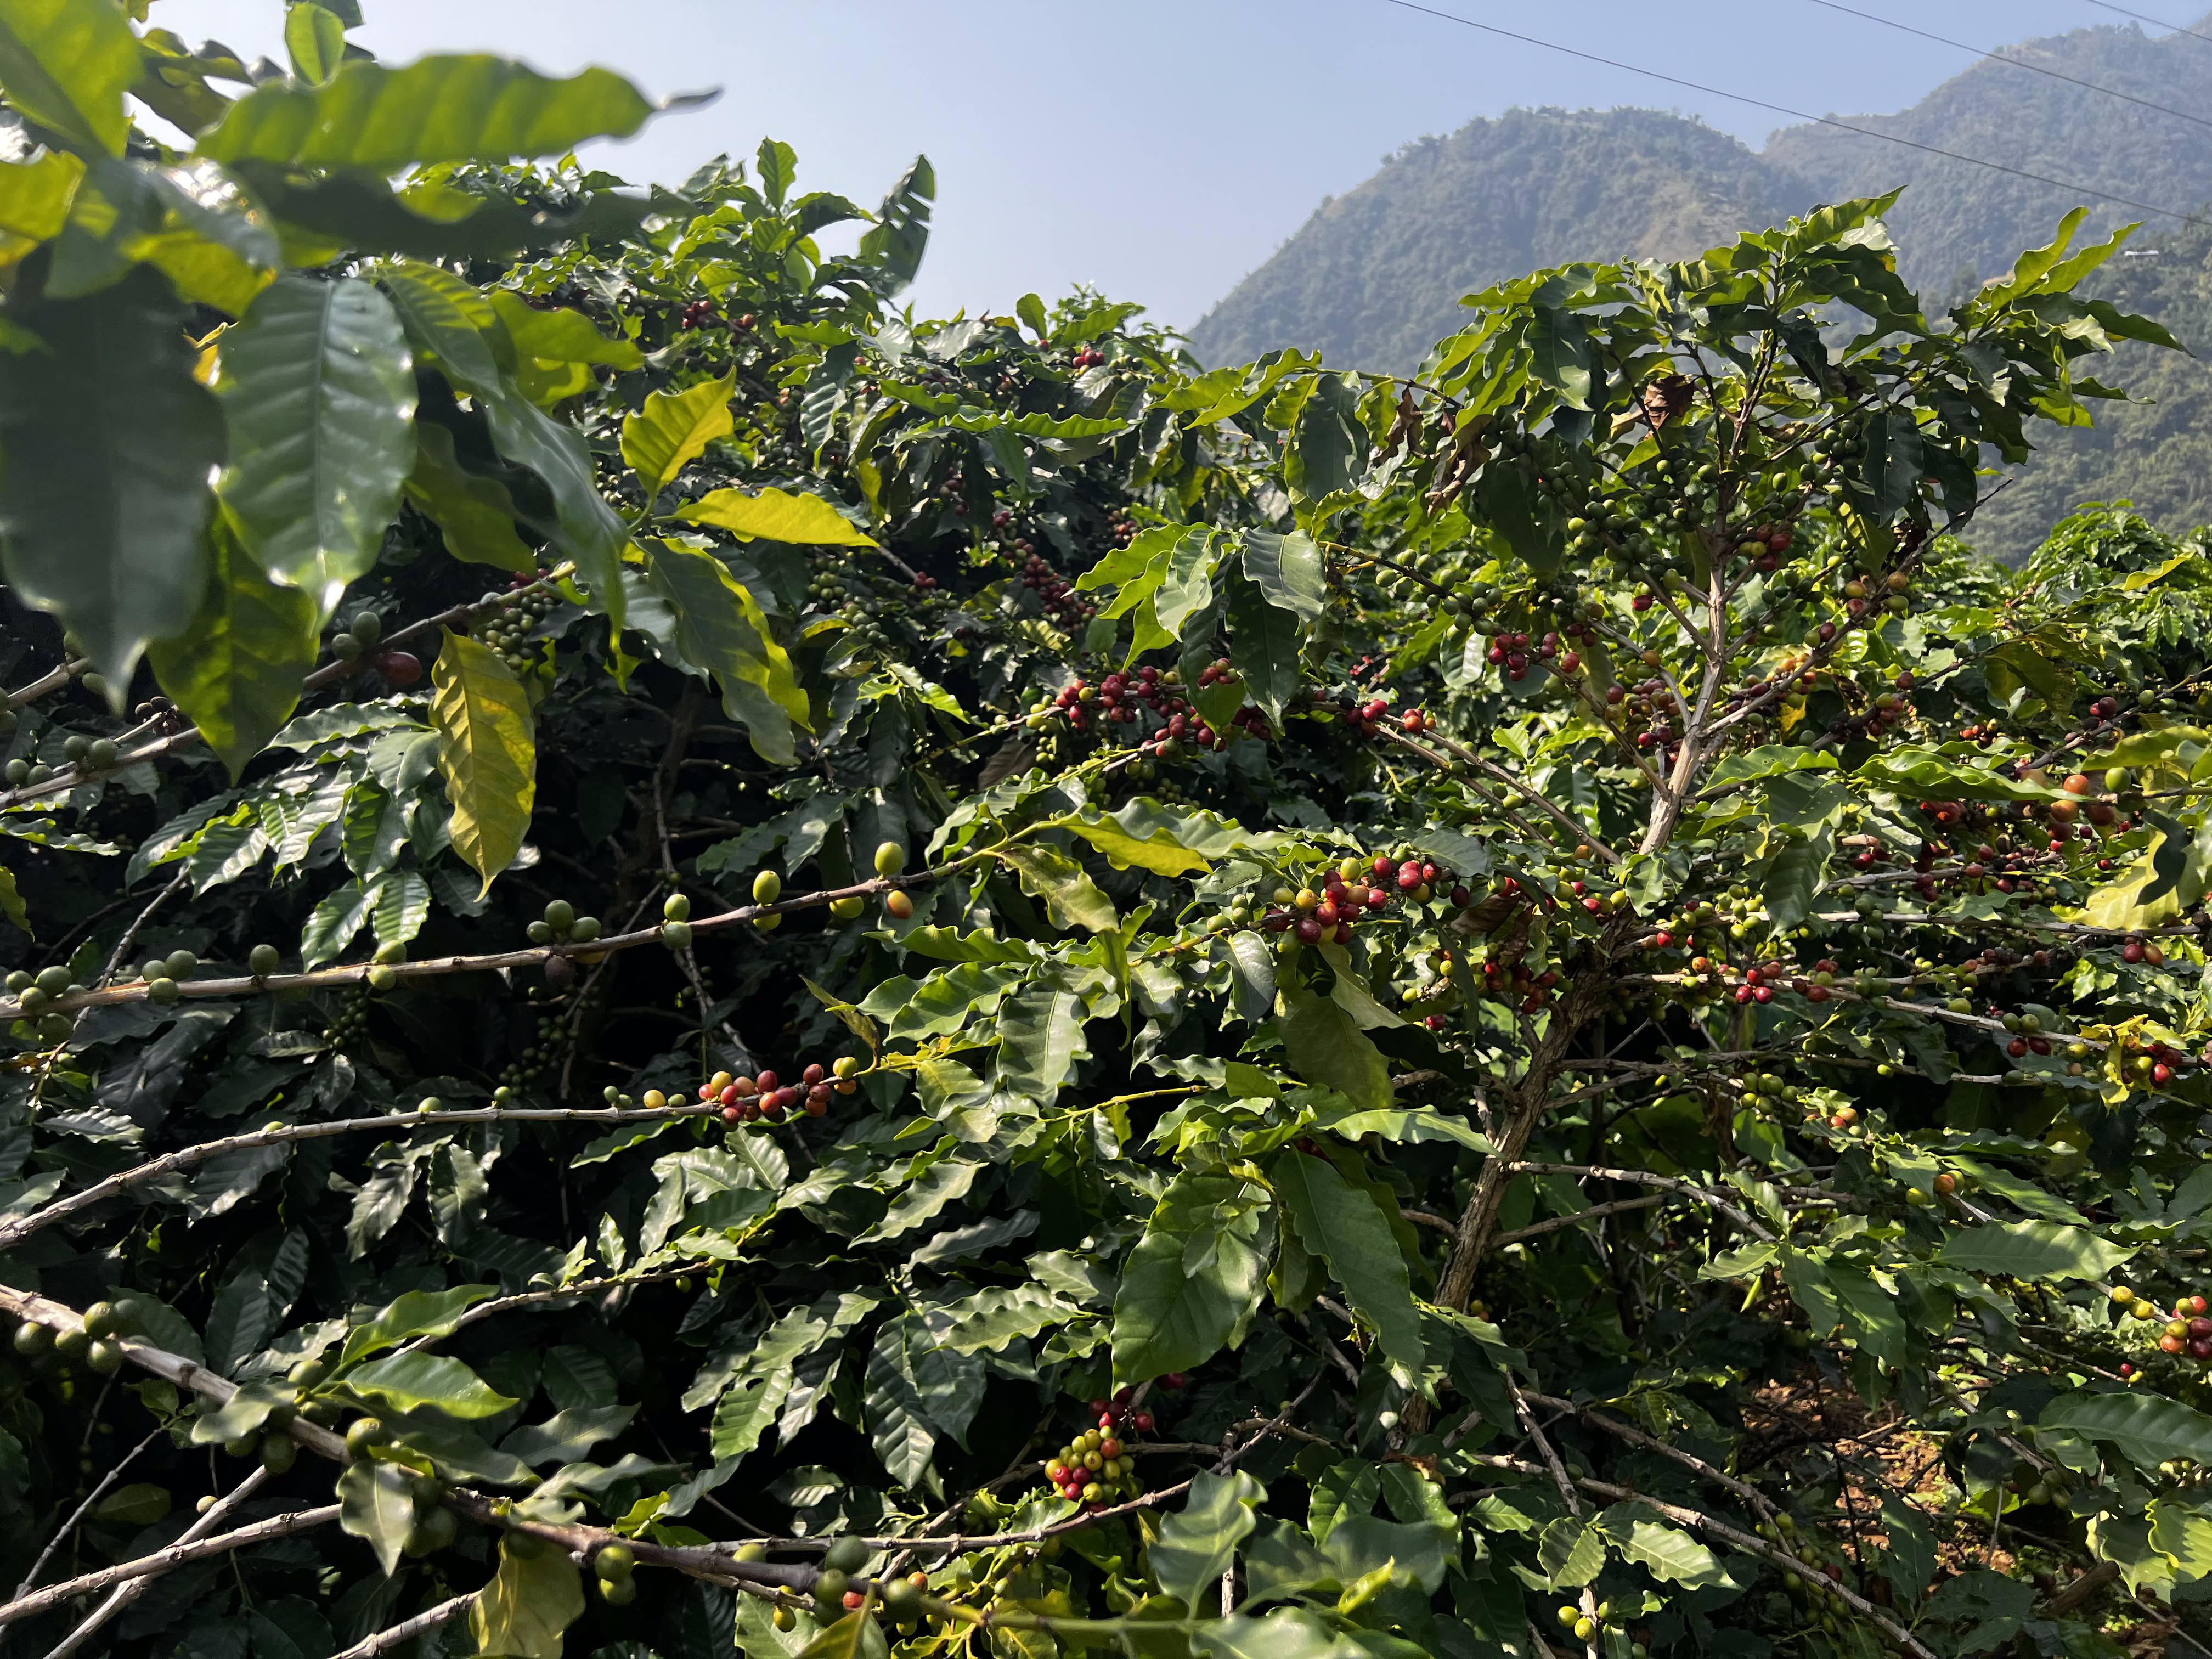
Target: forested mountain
1376 274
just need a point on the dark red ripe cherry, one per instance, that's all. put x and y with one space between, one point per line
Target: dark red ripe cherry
731 1115
765 1082
1309 930
1142 1422
1175 1380
811 1075
400 668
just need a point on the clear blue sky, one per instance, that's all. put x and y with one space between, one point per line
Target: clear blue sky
1158 149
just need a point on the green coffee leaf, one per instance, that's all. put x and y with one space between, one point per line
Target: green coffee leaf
108 413
1197 1542
67 66
2033 1249
237 668
376 1503
437 109
409 1381
318 391
1342 1224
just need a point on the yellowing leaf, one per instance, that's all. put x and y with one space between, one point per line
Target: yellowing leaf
35 197
529 1602
721 627
674 428
773 516
1158 853
486 752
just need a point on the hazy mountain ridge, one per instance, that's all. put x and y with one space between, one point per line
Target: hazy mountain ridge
1373 277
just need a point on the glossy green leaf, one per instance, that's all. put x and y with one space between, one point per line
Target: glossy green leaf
399 903
2148 1429
674 428
1071 897
237 667
1040 1040
409 1381
66 63
857 1635
376 1503
1156 850
1339 1223
917 1389
2033 1249
475 514
447 318
1263 649
315 39
108 442
1288 571
1197 1542
775 516
721 628
318 391
472 108
1323 1044
1571 1551
1666 1553
1168 1319
530 1602
486 752
1280 1633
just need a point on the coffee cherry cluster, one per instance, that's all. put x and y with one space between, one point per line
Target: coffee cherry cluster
1509 654
1061 602
505 628
356 643
768 1098
1351 889
1148 694
1098 1465
529 1067
698 313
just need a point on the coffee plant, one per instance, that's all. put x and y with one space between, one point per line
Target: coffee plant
957 987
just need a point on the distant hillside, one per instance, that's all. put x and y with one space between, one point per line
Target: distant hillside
1373 277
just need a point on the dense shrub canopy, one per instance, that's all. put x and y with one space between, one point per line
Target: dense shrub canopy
950 987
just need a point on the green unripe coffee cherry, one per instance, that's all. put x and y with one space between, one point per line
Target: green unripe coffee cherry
95 682
32 999
242 1446
768 887
18 773
382 977
843 1066
584 929
846 909
182 964
367 627
345 648
264 960
390 952
430 1103
75 746
618 1592
52 980
162 989
433 1532
847 1555
831 1586
750 1553
306 1373
559 915
539 933
784 1618
278 1453
678 908
103 753
155 968
676 935
902 1598
614 1561
890 858
31 1339
364 1432
106 1358
100 1319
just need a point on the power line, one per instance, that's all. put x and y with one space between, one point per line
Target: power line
1805 115
2145 17
2019 63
